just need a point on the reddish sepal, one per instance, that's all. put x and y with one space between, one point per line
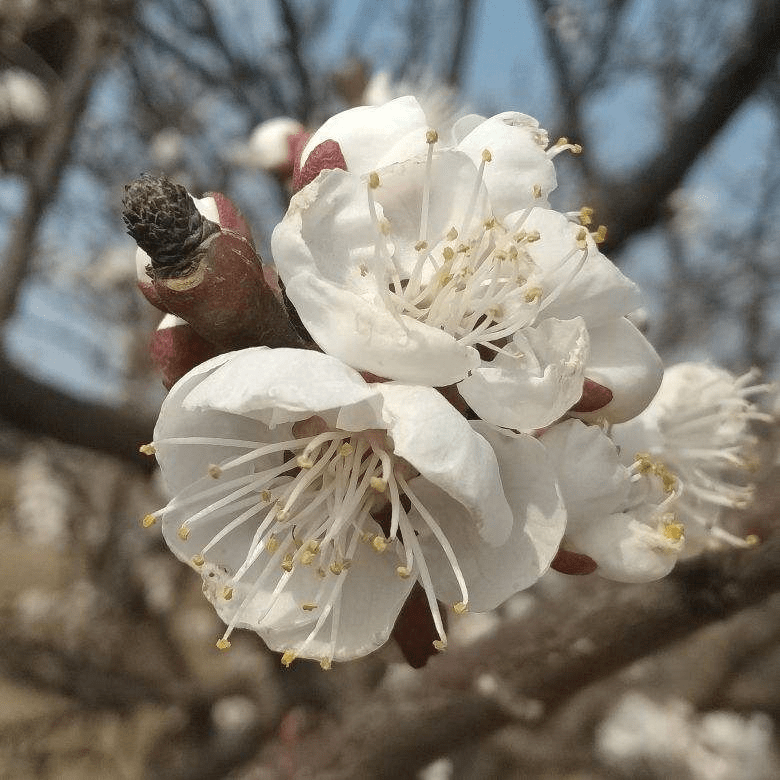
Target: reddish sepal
594 397
568 562
414 630
325 156
177 350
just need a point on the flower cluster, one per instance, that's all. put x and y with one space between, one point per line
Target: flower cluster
440 398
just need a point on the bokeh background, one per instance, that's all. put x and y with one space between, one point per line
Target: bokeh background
108 667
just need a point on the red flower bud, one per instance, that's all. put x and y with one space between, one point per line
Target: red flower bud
594 397
175 349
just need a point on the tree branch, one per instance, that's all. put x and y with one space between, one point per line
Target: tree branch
50 160
637 202
536 665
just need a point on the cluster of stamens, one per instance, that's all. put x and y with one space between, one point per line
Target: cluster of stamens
477 281
669 532
312 501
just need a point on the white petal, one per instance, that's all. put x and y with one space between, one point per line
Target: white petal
443 447
495 573
623 360
625 549
371 598
457 199
280 385
534 390
597 292
181 463
365 133
519 162
593 482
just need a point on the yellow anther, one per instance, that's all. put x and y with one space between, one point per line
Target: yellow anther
586 215
215 472
265 495
147 449
183 533
384 226
537 191
336 567
403 572
674 531
440 645
363 268
490 223
325 664
373 180
272 545
600 236
378 484
460 607
198 560
304 461
582 238
431 137
421 246
520 236
576 149
287 563
452 234
309 606
752 539
307 556
486 155
561 141
313 546
227 593
534 295
448 253
287 658
148 521
379 544
223 644
346 449
513 252
532 235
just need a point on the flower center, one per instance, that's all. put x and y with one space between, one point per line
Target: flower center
311 509
476 281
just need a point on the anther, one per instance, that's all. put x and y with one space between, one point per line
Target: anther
325 664
183 533
486 155
534 295
287 658
448 253
198 560
373 180
378 484
440 645
346 449
379 544
307 556
227 593
147 449
431 137
600 235
403 572
148 521
452 234
336 567
309 606
490 223
537 191
265 495
215 472
586 215
223 644
460 607
421 246
533 235
272 545
287 563
304 462
674 531
752 539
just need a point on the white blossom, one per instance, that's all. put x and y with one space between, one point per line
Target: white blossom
311 501
620 516
435 260
699 426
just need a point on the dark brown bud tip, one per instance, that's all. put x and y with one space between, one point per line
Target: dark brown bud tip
164 221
